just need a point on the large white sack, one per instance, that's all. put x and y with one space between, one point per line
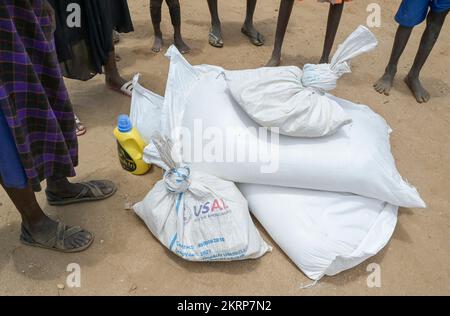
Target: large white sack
324 233
197 216
357 159
145 111
294 100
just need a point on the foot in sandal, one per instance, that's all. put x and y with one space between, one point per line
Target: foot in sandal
253 35
215 36
158 43
180 44
53 235
119 84
116 37
62 192
113 78
81 129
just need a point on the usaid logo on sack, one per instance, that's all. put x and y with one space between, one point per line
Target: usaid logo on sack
208 209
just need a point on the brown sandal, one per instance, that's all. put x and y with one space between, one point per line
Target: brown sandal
56 243
91 192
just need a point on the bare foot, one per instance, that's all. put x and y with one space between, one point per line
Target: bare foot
420 93
181 45
158 43
274 61
384 84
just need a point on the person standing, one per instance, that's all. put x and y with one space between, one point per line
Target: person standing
175 16
37 127
87 49
334 19
248 28
410 14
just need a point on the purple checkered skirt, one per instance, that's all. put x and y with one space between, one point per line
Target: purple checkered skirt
33 96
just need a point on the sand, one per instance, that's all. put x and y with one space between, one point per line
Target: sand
127 260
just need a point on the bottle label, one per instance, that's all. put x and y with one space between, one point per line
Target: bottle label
125 160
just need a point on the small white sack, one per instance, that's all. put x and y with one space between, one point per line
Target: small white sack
323 233
294 100
145 112
197 216
356 159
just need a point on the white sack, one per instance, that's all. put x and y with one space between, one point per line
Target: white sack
294 100
197 216
323 233
145 112
357 159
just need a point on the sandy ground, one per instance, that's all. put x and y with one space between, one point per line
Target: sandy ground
127 260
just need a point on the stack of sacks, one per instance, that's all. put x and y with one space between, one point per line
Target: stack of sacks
330 202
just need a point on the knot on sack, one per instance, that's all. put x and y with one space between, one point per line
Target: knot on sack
319 77
178 180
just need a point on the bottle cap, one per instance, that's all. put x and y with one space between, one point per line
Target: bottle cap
124 123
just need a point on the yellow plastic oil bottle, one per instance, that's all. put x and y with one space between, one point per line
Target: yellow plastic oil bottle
130 147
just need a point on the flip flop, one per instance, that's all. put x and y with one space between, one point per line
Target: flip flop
185 51
126 89
215 41
56 243
259 40
156 50
155 47
91 192
81 130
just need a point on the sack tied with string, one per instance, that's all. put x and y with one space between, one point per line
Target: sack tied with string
197 216
295 101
